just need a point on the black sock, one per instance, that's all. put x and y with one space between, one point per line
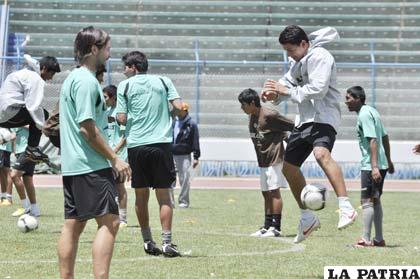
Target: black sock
268 220
276 221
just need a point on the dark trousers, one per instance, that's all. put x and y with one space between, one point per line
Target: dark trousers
23 118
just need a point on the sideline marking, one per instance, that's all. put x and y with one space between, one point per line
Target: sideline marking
288 240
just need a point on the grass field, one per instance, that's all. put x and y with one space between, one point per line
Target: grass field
214 232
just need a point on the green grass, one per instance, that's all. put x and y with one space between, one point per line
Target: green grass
215 230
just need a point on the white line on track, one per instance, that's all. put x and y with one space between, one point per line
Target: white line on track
293 249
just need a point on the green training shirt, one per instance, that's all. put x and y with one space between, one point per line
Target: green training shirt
369 125
81 99
144 99
22 135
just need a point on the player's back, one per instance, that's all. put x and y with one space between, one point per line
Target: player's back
148 113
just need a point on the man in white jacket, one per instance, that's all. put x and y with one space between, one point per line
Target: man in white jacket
311 84
21 96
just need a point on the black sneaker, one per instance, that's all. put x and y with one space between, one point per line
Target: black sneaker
35 155
151 248
170 251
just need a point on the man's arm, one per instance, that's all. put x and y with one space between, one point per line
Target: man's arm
34 95
177 105
92 135
319 72
387 148
121 144
122 118
196 145
376 175
278 123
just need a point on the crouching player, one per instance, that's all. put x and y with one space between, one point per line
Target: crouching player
267 130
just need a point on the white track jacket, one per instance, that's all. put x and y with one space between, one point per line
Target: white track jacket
312 82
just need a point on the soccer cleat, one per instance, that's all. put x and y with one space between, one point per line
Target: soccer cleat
307 224
20 211
183 205
151 248
361 243
123 224
35 155
170 250
379 243
272 232
347 218
259 233
5 203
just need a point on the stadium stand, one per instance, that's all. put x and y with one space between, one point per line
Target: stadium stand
241 30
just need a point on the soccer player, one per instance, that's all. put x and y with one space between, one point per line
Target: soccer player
6 147
143 99
185 142
89 184
311 84
376 162
20 102
267 129
117 141
23 169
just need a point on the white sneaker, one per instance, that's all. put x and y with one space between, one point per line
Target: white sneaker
259 233
347 218
272 232
307 224
183 205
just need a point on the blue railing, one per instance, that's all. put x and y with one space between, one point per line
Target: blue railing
199 64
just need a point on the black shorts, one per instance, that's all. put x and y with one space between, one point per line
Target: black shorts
370 188
24 165
4 159
302 141
152 166
90 195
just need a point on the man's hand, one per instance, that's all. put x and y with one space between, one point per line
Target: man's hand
416 149
391 167
122 168
272 90
195 163
376 174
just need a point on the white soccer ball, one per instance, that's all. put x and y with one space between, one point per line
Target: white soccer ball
27 223
313 196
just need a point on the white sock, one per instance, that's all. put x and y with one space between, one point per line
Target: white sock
123 215
9 196
25 203
305 212
35 209
3 195
344 203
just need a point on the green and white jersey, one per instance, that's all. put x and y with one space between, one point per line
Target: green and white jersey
21 141
147 108
369 125
116 133
81 99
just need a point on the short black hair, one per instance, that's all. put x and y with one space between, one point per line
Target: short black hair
357 92
49 63
111 90
137 59
248 96
293 34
